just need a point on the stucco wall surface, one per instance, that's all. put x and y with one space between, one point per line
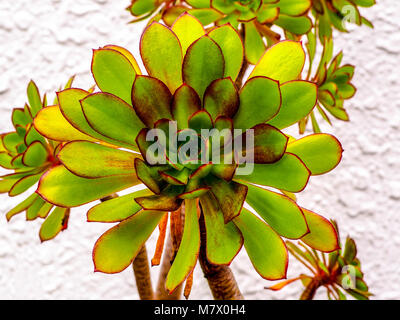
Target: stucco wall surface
50 40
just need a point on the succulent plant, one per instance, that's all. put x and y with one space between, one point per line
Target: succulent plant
253 17
30 155
191 86
334 84
338 271
335 13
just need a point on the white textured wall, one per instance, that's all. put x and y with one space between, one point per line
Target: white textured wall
49 40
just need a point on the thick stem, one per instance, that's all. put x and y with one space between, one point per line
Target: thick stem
220 278
168 256
141 270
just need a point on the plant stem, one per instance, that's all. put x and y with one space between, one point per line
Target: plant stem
169 254
311 289
141 270
220 278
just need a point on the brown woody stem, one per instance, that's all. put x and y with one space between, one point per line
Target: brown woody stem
220 278
141 270
311 289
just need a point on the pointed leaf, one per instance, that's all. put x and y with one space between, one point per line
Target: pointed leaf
35 101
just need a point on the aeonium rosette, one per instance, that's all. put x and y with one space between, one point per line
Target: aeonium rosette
190 87
253 17
30 155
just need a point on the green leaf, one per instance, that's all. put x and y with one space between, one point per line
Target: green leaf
162 55
140 7
5 160
321 153
269 144
253 43
113 73
282 62
224 240
96 160
265 248
19 117
232 49
33 211
112 117
323 236
203 63
117 209
167 200
151 100
201 120
297 25
188 29
70 105
260 100
62 188
185 103
280 212
148 175
206 15
7 184
51 123
230 196
221 98
35 101
298 99
24 184
289 174
115 250
294 7
22 206
350 250
188 251
45 210
36 155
